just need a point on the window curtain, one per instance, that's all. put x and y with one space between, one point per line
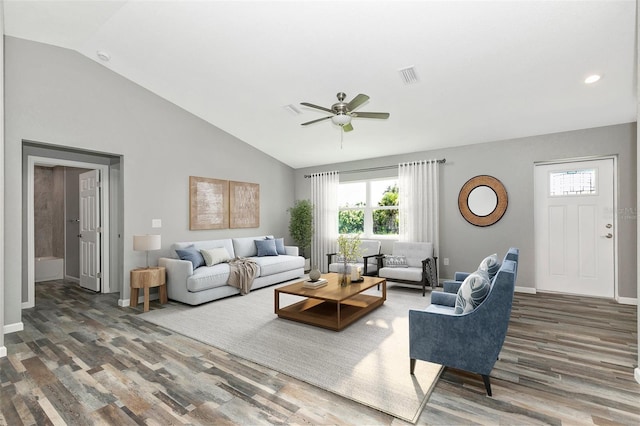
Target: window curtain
418 202
324 196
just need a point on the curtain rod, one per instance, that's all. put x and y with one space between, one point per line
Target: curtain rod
374 169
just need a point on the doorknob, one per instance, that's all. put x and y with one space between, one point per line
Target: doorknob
79 235
608 226
609 235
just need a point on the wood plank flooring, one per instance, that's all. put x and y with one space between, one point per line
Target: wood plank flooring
82 360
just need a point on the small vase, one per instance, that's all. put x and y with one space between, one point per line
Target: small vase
314 274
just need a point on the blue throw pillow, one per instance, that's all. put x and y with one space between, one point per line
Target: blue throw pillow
192 254
266 248
279 245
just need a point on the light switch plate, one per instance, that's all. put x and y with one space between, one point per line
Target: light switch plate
156 223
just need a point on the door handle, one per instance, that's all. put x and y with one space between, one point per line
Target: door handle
609 235
79 235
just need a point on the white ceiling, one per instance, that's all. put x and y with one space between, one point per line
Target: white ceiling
488 70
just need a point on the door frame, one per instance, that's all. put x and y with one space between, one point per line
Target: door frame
33 161
614 214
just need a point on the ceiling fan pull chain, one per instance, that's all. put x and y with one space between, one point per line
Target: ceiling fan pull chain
341 136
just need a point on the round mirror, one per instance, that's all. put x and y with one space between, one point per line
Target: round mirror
482 200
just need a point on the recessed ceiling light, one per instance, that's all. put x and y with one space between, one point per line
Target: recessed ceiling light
103 56
592 79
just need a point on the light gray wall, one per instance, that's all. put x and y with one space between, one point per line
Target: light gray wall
512 162
57 96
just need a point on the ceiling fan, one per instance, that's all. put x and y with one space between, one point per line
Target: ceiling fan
343 111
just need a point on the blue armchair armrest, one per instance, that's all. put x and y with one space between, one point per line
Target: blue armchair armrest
445 299
460 276
451 286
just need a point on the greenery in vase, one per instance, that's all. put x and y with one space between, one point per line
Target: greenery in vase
349 247
301 225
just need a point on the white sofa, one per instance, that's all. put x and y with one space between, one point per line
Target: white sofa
208 283
418 267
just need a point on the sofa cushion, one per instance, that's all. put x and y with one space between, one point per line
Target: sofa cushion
390 261
246 247
208 277
266 248
191 254
214 256
271 265
472 292
205 244
490 265
279 244
408 274
414 252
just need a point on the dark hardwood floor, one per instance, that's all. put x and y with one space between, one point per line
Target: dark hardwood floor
82 360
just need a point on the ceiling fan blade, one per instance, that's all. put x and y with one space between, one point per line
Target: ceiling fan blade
316 107
370 114
347 127
357 101
315 121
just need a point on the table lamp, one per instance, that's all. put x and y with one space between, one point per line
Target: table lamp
146 243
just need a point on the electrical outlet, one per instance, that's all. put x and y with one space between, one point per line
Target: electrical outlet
156 223
446 261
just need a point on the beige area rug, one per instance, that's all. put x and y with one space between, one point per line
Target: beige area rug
367 362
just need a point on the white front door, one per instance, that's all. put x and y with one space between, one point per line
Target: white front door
90 230
575 227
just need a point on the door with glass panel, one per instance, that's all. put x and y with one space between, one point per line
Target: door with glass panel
575 227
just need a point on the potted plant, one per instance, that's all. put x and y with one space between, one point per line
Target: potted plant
349 249
301 226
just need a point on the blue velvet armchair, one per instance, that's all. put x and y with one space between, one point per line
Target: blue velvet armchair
469 341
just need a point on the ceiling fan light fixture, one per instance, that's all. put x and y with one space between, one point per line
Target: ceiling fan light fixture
341 119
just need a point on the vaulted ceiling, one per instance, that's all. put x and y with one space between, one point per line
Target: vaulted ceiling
486 70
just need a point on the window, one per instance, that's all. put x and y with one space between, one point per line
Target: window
572 182
369 207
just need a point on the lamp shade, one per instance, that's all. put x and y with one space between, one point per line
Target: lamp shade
146 242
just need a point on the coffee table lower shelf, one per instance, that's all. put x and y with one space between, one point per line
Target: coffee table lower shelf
332 315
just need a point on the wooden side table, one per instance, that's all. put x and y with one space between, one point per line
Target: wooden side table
146 278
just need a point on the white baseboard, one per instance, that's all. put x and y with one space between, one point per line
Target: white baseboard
12 328
3 352
628 301
636 374
529 290
72 279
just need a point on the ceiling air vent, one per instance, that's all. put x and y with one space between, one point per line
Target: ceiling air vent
408 75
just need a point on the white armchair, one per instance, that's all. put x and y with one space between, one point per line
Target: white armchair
410 263
368 261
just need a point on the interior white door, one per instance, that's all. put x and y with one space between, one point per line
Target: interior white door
90 230
574 227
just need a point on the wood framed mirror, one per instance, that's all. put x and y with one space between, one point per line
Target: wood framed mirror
482 200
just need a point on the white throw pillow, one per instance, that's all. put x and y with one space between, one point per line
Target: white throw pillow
490 265
472 292
215 255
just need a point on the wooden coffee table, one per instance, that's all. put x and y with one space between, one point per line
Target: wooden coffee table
332 306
